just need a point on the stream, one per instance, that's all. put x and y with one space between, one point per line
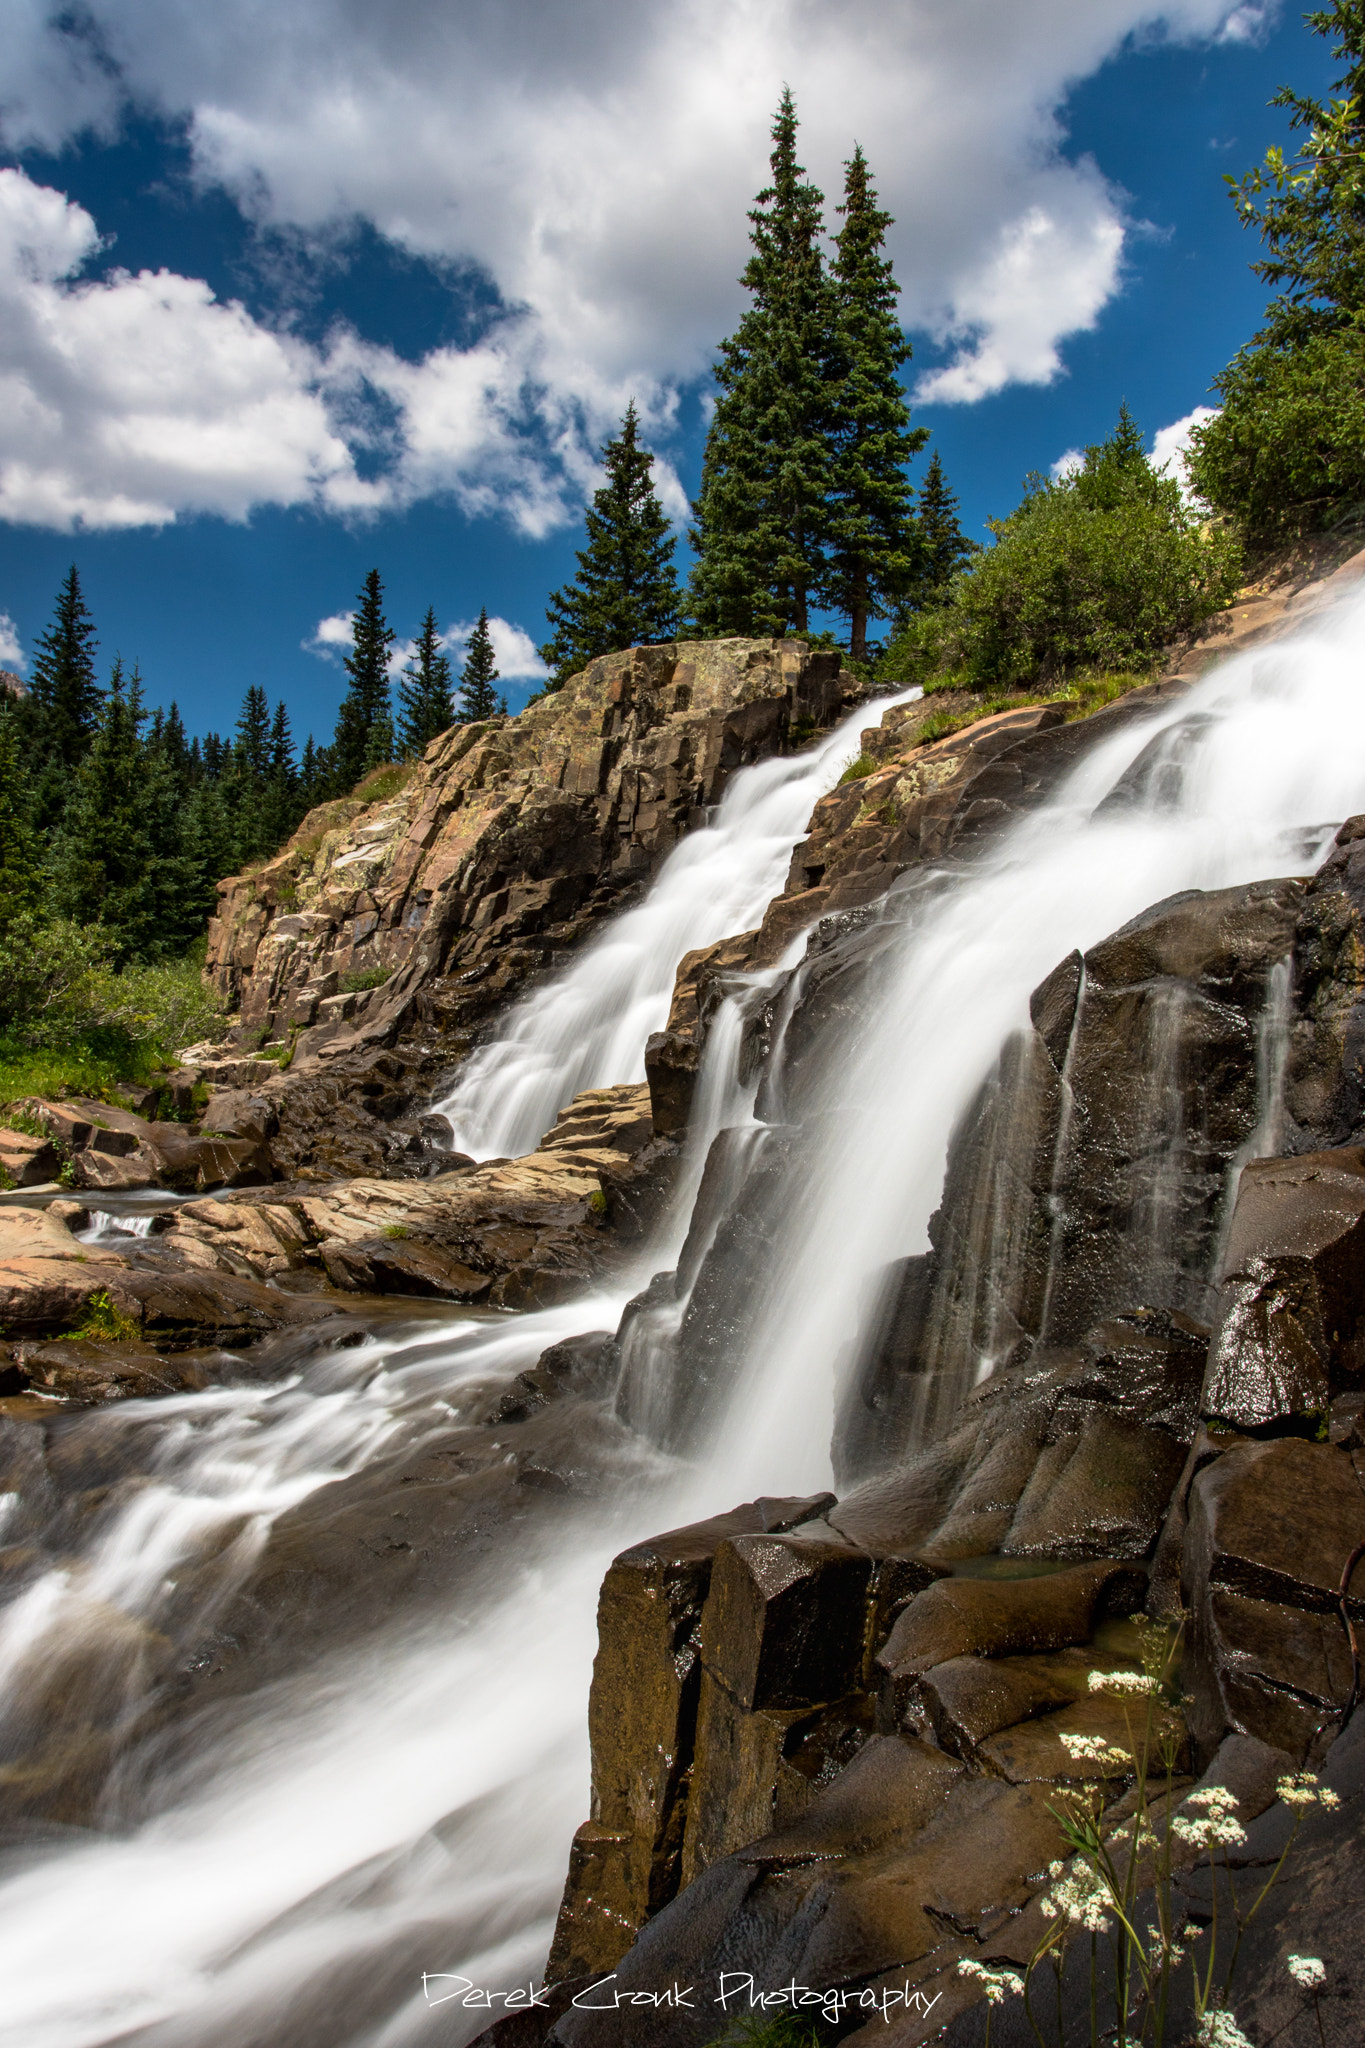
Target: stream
283 1872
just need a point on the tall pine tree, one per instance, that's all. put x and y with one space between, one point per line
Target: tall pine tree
364 727
761 519
626 591
478 698
426 706
874 540
62 709
943 547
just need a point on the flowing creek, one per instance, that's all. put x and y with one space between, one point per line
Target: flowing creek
282 1873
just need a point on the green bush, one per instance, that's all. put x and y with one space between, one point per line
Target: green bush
1286 455
369 977
69 1021
856 770
1093 572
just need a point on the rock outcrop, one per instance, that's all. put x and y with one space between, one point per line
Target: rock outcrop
507 843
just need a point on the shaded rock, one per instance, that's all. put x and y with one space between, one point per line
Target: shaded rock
25 1161
85 1371
1290 1334
1270 1528
998 1617
642 1712
111 1171
1034 1752
970 1698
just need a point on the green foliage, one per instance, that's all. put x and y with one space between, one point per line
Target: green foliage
1098 570
1286 455
395 1230
378 786
761 519
364 729
104 1322
478 698
368 977
63 705
786 2031
71 1023
426 706
625 593
856 770
873 542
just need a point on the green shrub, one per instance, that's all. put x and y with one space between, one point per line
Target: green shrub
1286 455
395 1230
856 770
368 977
383 782
104 1322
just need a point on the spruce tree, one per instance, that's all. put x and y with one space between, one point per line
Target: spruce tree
65 695
626 591
762 520
426 706
20 849
103 856
943 547
478 698
279 804
364 727
874 540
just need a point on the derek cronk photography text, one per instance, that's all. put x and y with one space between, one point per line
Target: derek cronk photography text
736 1991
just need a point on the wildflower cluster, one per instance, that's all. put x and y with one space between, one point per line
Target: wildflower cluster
1301 1788
1213 1823
1079 1895
1220 2030
1120 1684
1000 1983
1307 1972
1093 1749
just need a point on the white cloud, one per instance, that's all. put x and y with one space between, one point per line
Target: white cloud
1169 444
514 651
11 653
329 635
1067 465
1248 24
596 163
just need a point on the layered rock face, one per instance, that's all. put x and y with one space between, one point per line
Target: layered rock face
507 843
826 1750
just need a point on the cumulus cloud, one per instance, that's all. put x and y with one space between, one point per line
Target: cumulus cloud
1067 465
514 651
1248 24
1170 443
11 652
595 164
330 635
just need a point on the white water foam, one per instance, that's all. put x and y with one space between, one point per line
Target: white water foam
410 1811
587 1028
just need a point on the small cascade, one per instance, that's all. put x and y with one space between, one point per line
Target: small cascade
107 1226
587 1028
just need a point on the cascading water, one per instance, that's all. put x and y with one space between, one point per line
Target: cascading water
406 1806
587 1029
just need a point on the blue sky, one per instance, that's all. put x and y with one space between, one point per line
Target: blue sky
284 297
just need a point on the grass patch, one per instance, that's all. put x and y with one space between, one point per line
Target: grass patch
856 770
395 1230
383 782
368 977
105 1323
21 1120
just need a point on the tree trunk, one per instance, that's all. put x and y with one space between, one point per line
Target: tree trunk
857 622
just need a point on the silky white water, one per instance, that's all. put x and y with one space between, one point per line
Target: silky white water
587 1028
409 1809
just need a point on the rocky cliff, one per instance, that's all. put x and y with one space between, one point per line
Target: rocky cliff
509 841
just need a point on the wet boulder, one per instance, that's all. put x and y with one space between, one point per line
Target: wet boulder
642 1711
1271 1526
977 1617
26 1161
1291 1325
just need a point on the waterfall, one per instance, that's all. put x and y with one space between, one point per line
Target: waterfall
405 1804
587 1028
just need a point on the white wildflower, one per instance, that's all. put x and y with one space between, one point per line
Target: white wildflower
1217 1830
1000 1984
1301 1788
1189 1932
1120 1682
1083 1897
1220 2030
1093 1749
1307 1971
1215 1798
